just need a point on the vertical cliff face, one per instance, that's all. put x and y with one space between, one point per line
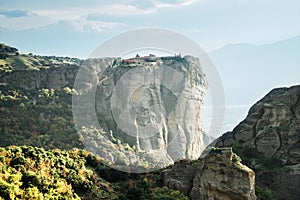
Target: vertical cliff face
269 141
154 106
220 175
52 77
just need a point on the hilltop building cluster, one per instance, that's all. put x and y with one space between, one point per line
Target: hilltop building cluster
150 60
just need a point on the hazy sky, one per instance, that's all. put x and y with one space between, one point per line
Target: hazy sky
73 27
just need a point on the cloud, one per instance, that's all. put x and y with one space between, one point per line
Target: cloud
114 11
15 13
196 30
154 5
75 18
180 3
23 23
121 9
117 10
84 25
135 7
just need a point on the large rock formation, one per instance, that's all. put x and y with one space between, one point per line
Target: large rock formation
219 175
154 106
269 139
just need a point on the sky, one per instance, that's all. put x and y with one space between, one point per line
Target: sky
75 28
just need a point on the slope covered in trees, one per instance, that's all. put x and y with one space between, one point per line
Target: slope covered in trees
32 173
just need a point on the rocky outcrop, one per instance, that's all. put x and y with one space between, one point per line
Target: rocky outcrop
219 175
269 138
51 77
152 106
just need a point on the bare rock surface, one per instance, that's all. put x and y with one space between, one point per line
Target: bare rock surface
269 138
151 111
154 107
219 175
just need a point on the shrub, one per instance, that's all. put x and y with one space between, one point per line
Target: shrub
272 163
165 193
265 194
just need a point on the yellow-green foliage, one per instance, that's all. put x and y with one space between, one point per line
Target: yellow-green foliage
10 182
33 173
33 193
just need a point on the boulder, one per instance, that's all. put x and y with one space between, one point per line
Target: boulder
219 175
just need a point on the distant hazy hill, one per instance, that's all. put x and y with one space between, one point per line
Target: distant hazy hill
248 70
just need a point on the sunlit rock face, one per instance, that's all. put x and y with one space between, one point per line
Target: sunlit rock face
153 104
218 175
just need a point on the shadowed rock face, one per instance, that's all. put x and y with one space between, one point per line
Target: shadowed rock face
271 132
154 107
219 175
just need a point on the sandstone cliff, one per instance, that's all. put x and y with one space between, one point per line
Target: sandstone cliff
154 107
269 141
220 175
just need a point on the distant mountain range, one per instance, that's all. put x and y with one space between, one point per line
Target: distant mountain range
249 71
